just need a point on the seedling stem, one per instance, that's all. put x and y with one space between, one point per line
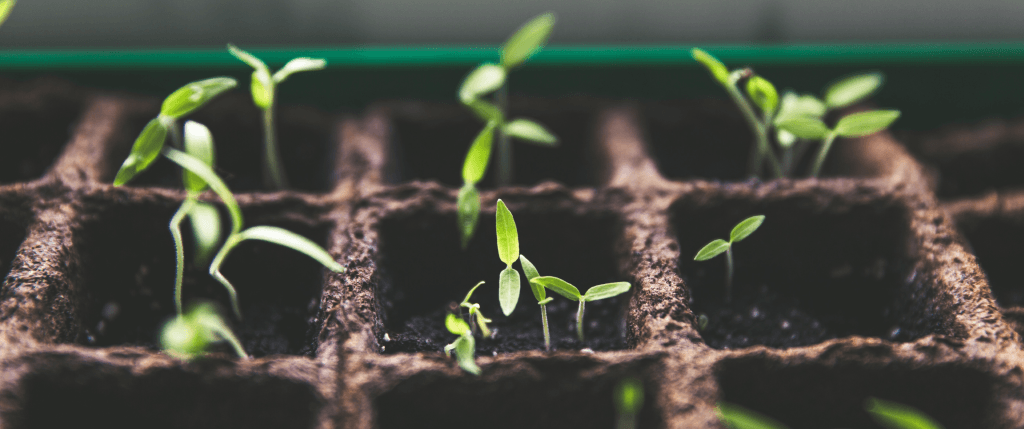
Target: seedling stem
719 246
567 290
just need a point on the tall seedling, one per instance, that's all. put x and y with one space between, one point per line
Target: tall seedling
717 247
464 346
264 93
595 293
508 252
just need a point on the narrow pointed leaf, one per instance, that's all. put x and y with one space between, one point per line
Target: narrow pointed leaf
530 131
717 69
262 89
468 212
852 89
865 123
606 290
206 229
481 81
198 143
745 228
898 416
465 348
204 172
250 59
508 290
508 237
527 40
297 65
5 9
456 325
470 293
804 127
194 95
479 155
763 94
712 249
146 149
293 241
737 417
558 286
531 273
486 111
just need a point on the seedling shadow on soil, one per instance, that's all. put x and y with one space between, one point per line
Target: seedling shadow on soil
37 120
807 396
429 142
804 277
423 270
305 133
128 263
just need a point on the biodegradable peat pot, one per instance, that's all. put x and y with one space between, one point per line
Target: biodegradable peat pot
861 284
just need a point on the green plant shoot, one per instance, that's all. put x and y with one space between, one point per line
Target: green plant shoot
540 294
853 125
508 252
5 9
595 293
188 335
898 416
629 399
473 170
464 346
717 247
475 314
737 417
264 93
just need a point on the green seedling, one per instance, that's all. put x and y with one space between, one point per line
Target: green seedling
264 93
629 399
540 294
5 9
490 78
508 252
717 247
464 346
475 314
737 417
188 335
898 416
854 125
595 293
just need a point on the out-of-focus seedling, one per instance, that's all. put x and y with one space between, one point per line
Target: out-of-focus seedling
5 9
540 294
737 417
508 252
188 335
898 416
629 399
464 346
595 293
264 93
475 314
853 125
719 246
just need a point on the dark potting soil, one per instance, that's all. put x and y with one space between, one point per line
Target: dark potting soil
996 244
128 258
37 118
698 139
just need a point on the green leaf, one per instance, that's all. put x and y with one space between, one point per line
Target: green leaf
629 397
204 172
717 69
250 59
804 127
465 347
481 81
531 273
181 338
145 150
198 143
456 325
865 123
508 237
486 111
194 95
479 155
527 40
262 89
206 229
297 65
737 417
712 249
800 105
745 228
508 290
470 293
558 286
293 241
852 89
5 9
606 290
898 416
530 131
785 138
469 212
763 94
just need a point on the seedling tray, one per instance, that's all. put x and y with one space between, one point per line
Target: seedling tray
858 284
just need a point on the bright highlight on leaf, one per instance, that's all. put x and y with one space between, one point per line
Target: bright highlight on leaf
475 166
898 416
146 149
530 131
297 65
206 229
527 40
481 81
852 89
865 123
468 206
717 69
508 290
198 143
291 240
737 417
187 336
5 9
763 94
194 95
508 237
804 127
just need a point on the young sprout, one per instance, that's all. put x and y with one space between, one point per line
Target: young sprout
464 346
473 170
508 252
187 336
595 293
264 91
629 399
737 417
5 9
540 294
475 314
719 246
854 125
898 416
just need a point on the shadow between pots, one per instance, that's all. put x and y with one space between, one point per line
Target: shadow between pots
37 118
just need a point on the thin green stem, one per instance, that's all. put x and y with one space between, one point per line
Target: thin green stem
472 326
579 320
229 336
218 260
544 320
504 177
822 152
273 172
179 248
760 131
728 275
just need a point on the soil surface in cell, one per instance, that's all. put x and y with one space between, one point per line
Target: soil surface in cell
37 118
996 243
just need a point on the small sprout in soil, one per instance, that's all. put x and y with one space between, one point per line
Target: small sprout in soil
508 252
629 399
475 314
187 336
719 246
702 322
595 293
264 92
464 346
737 417
898 416
855 125
5 9
540 294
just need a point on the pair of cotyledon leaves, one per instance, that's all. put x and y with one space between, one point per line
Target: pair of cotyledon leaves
188 335
739 232
891 415
263 83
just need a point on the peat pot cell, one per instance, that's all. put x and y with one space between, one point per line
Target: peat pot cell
813 396
128 259
424 270
429 142
996 242
64 393
304 138
975 160
807 275
12 234
37 120
554 396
